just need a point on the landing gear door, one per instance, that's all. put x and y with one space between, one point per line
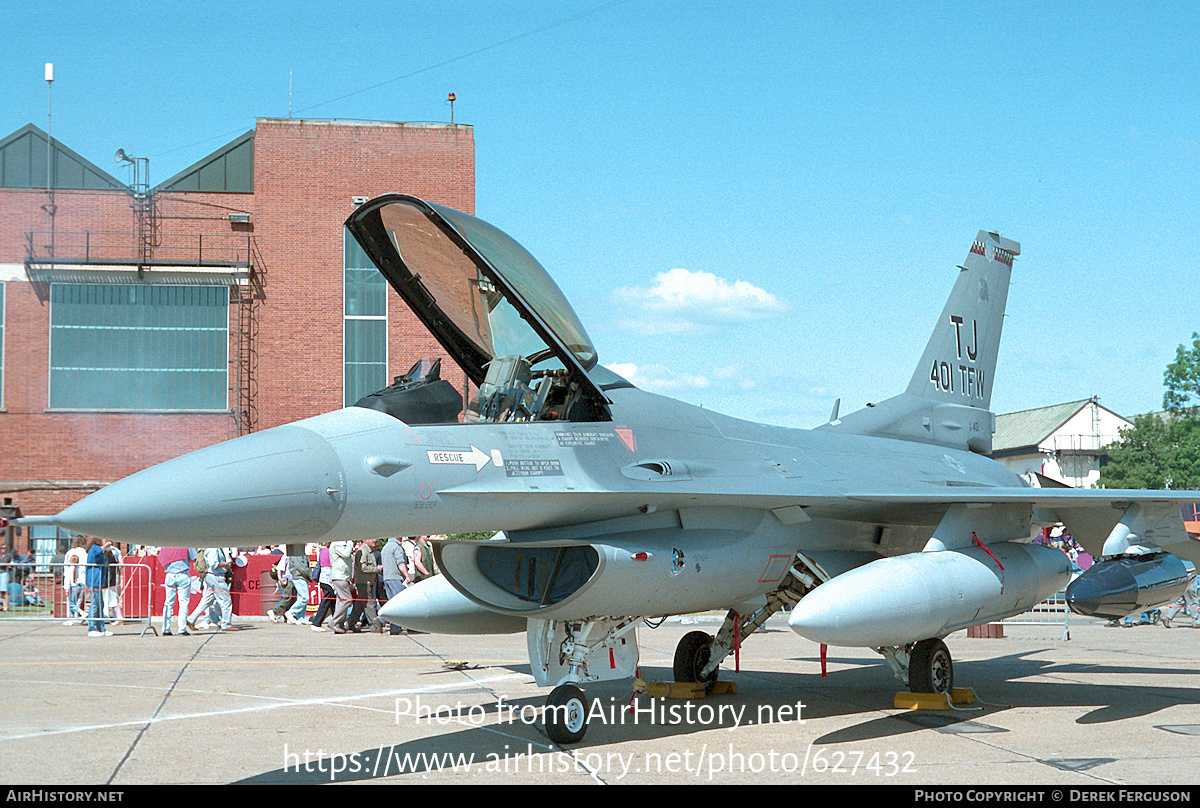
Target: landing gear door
561 652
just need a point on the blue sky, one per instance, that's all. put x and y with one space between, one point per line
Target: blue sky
755 206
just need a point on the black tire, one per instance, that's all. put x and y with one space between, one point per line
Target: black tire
566 714
691 655
930 668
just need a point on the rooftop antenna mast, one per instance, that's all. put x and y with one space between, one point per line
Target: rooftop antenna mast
49 207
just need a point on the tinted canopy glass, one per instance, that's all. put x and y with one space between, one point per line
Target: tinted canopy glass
491 305
537 290
483 284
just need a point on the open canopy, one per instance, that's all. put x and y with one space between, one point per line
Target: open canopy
489 302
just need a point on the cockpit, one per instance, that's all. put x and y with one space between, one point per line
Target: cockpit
495 310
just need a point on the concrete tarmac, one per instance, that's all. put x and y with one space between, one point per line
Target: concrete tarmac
280 704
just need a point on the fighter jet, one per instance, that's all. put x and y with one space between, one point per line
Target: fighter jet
887 528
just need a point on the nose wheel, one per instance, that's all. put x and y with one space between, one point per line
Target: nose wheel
566 714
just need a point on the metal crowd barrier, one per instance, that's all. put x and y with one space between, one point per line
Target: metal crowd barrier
41 594
1051 612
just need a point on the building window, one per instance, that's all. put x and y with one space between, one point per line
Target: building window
364 324
139 347
49 545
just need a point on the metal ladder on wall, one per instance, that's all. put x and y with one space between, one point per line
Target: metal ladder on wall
245 408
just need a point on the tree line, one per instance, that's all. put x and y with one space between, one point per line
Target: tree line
1162 450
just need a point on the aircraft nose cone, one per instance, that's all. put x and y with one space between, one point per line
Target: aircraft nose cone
281 485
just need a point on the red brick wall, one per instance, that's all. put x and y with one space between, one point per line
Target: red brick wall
306 175
72 447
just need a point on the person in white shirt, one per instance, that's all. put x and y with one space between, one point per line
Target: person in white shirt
215 588
340 575
73 583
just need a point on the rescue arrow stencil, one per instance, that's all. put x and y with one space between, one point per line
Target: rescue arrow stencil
476 457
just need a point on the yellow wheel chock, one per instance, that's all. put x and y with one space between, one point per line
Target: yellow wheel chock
935 701
682 690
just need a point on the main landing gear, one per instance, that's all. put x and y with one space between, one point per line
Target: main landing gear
925 666
692 656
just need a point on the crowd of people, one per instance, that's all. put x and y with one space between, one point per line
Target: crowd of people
349 581
92 577
353 580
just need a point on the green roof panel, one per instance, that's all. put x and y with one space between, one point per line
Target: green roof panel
229 169
23 164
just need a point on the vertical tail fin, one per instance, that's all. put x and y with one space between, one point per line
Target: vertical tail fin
959 362
949 397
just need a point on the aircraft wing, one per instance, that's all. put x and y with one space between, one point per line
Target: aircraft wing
1090 515
1038 497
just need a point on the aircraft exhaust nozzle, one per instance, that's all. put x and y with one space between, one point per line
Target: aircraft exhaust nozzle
281 485
903 599
435 606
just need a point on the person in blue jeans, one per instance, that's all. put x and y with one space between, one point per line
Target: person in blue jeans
177 563
97 579
73 581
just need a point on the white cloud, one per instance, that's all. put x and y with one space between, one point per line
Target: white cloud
682 301
659 379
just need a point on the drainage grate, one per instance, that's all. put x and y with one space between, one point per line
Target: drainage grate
948 724
1078 764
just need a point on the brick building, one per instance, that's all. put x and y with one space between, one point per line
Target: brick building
138 323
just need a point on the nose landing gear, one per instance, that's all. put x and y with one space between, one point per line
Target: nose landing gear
566 714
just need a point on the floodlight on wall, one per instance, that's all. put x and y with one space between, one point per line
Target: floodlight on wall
359 200
239 218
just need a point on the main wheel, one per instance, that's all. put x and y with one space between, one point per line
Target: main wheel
930 668
691 655
566 714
